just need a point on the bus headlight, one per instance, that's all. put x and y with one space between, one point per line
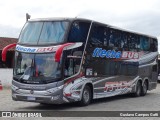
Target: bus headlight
60 87
55 89
14 87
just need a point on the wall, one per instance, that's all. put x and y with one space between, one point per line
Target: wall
6 77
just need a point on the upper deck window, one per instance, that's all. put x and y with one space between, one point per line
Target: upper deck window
79 31
144 43
43 32
31 32
53 32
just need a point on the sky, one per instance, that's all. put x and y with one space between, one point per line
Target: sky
136 15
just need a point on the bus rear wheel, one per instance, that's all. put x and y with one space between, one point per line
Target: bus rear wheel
86 96
144 89
138 91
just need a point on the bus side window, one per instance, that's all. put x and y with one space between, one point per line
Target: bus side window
106 37
144 43
124 41
77 60
111 38
97 36
78 32
115 39
153 45
118 39
72 62
133 42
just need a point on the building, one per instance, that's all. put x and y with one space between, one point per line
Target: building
4 41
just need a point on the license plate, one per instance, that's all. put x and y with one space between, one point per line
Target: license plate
31 98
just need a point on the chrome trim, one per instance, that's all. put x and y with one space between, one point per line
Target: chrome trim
35 92
28 92
99 88
31 95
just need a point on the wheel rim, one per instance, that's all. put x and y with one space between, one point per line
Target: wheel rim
86 95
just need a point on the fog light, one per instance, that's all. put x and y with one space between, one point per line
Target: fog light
55 97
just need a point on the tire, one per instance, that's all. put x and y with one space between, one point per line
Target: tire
86 96
138 89
144 89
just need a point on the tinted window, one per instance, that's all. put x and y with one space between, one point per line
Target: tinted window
124 41
102 36
114 39
133 42
79 32
153 45
129 69
108 67
98 36
144 43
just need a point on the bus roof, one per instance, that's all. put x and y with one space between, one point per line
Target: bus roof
83 19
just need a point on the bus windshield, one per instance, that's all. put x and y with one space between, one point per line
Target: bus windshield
43 32
36 68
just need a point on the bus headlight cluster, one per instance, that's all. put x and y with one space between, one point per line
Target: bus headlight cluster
14 87
55 89
60 87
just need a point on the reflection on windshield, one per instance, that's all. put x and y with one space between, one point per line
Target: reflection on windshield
31 67
43 32
46 66
53 32
31 32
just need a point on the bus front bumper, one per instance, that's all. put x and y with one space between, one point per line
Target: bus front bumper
39 99
52 96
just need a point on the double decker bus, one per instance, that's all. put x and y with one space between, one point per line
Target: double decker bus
62 60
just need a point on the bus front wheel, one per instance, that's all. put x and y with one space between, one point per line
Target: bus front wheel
86 96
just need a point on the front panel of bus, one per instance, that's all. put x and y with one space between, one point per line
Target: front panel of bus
47 54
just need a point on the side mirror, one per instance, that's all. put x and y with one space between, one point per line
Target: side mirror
5 49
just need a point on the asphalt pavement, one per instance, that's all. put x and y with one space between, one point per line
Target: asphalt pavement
150 102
